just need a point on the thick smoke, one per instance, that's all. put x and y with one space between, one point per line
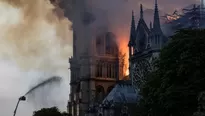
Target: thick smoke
117 13
35 43
116 16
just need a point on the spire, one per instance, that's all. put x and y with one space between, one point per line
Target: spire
202 6
150 25
156 23
141 11
132 30
202 14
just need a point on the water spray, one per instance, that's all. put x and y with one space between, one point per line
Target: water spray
50 80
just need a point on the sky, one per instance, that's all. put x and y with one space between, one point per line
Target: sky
36 42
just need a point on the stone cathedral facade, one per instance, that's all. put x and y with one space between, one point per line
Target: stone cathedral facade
95 65
144 46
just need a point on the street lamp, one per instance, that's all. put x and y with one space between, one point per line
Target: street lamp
22 98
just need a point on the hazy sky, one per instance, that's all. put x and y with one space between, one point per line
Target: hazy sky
36 44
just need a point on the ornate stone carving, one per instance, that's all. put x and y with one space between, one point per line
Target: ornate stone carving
140 69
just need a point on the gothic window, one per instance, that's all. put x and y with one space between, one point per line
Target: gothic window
112 71
114 68
98 70
149 42
109 89
132 50
109 70
100 93
157 39
142 41
78 88
109 48
116 71
99 45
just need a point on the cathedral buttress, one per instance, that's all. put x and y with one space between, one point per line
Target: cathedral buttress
132 36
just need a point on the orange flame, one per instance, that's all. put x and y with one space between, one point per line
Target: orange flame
124 50
170 18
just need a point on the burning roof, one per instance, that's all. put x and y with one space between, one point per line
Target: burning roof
191 17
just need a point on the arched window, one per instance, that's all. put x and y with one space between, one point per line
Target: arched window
97 73
109 70
98 70
116 70
100 93
99 45
112 70
110 44
157 39
109 89
132 50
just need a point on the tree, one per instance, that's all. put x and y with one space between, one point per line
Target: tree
172 89
53 111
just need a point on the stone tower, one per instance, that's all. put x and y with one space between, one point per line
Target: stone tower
95 64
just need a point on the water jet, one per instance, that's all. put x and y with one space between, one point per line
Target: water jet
53 79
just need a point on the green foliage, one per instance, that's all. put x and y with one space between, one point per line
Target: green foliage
53 111
172 89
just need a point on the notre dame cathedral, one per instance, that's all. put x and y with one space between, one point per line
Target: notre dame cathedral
144 46
95 88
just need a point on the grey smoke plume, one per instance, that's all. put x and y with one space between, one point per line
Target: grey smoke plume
34 42
115 16
117 13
